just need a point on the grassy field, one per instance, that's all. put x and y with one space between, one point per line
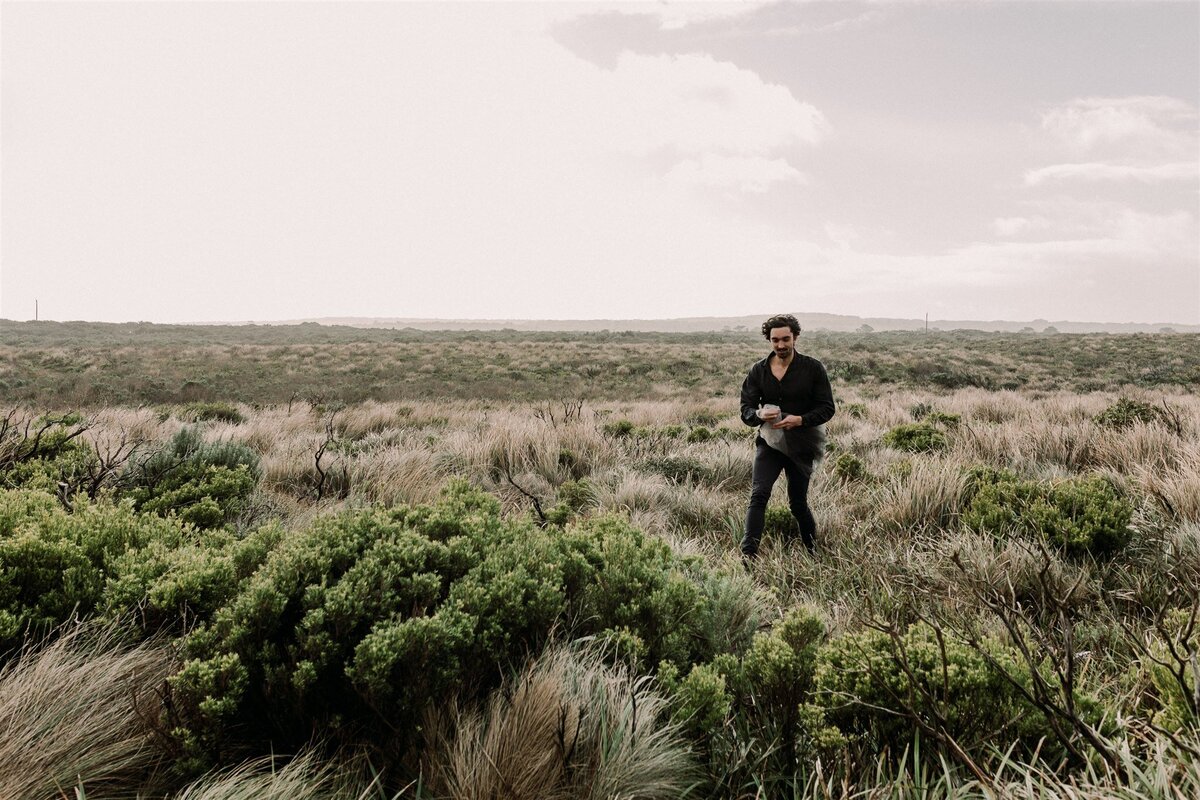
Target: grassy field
505 565
78 364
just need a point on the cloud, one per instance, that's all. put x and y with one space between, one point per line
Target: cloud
1150 124
747 174
1099 171
694 104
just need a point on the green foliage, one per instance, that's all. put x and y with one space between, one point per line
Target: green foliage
1126 412
944 418
917 437
677 469
1172 665
54 565
41 453
618 428
1081 515
699 434
212 410
754 715
855 410
204 483
360 622
879 690
849 467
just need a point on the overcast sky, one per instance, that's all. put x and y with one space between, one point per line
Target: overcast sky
258 161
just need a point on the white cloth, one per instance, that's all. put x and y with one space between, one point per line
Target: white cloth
772 436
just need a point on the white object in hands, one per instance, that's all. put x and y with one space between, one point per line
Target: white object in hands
772 436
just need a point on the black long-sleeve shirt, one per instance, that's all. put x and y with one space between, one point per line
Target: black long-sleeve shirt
804 390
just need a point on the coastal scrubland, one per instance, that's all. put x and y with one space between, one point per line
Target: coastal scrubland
379 564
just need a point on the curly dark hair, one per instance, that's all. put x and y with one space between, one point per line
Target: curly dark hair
781 321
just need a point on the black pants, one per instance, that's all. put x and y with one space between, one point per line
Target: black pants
768 463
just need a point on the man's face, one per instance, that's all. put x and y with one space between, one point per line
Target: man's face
782 341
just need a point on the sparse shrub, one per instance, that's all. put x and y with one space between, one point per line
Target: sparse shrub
212 410
1082 515
849 467
699 434
917 437
205 483
704 418
1126 412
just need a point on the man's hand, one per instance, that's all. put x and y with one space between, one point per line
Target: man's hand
792 421
768 413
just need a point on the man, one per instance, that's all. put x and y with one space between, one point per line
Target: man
788 394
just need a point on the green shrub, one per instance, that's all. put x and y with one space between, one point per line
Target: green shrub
357 624
873 686
677 469
754 717
699 434
44 452
1082 515
618 428
1125 412
54 565
204 483
1171 663
212 410
778 522
943 418
849 467
917 437
855 410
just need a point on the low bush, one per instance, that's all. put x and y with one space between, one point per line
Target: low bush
1081 515
916 437
204 483
358 624
212 410
1126 412
849 467
55 565
880 690
754 716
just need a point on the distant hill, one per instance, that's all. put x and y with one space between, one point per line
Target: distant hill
815 322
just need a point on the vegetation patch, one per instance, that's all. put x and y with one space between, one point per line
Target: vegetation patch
1080 515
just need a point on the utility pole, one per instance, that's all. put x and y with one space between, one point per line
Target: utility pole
927 322
35 309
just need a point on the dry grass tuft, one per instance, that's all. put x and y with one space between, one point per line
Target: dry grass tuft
79 712
569 727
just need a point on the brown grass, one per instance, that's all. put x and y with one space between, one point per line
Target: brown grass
569 728
79 712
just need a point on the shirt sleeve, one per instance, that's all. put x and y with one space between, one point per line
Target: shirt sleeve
822 408
751 398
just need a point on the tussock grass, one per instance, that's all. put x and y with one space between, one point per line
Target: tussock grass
569 727
302 778
79 711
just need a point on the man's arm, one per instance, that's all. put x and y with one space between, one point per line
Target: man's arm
822 408
751 398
